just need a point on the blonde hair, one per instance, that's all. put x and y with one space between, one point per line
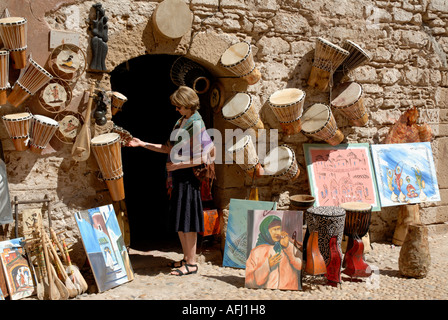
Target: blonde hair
185 97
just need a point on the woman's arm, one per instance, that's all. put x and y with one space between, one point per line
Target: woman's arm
136 142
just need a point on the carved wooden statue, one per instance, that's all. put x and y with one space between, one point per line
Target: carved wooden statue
99 40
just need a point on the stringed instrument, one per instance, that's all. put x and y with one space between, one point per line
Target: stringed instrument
334 264
315 263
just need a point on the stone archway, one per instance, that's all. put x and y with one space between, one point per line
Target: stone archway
148 115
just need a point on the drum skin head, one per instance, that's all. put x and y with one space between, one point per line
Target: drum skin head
173 18
15 116
45 119
346 94
278 160
286 96
105 138
315 117
236 105
235 53
356 206
11 20
239 144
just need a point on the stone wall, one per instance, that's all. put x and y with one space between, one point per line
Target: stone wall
408 42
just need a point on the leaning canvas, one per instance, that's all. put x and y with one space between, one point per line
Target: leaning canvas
105 248
275 249
236 233
16 269
340 174
405 173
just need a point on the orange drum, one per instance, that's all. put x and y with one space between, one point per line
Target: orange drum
327 58
4 75
107 150
18 127
238 59
349 101
41 132
318 122
33 79
240 110
117 102
287 105
13 31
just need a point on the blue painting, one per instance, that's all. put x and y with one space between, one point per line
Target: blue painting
405 173
105 248
235 248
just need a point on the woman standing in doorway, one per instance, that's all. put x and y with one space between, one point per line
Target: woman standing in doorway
190 148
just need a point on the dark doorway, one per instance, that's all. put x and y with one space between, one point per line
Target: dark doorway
149 116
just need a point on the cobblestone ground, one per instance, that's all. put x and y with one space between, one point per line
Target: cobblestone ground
214 282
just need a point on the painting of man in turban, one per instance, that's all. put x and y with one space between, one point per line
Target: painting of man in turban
275 262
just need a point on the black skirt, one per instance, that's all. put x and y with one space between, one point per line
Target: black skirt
186 210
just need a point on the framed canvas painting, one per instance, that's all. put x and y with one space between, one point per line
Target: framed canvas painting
16 269
105 248
236 235
274 259
405 173
340 174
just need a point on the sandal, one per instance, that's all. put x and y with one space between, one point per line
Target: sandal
181 273
177 264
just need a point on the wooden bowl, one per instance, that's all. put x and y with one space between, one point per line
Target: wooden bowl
303 201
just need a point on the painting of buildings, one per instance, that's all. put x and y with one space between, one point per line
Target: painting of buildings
105 248
340 174
16 269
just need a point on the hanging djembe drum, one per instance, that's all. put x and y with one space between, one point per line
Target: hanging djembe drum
107 150
348 100
287 105
240 110
4 75
117 101
13 31
185 72
281 163
327 58
30 81
318 122
239 60
244 154
357 57
18 127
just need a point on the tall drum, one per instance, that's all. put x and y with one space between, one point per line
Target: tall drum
349 101
41 132
107 150
18 127
357 223
4 75
328 222
327 58
318 122
238 59
240 110
281 163
244 154
287 105
13 31
33 79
